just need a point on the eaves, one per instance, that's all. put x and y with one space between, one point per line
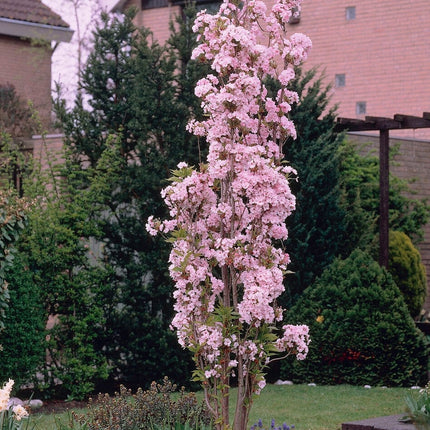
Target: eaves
11 27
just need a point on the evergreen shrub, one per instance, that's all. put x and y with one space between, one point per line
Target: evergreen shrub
408 271
23 337
360 327
317 225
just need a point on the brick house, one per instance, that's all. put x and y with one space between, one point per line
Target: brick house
27 28
29 33
376 55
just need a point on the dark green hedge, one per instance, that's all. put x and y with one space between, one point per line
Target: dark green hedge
23 347
360 327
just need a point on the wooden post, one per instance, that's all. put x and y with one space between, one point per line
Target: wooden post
384 170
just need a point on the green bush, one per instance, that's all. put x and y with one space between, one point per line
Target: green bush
154 409
407 271
361 330
23 336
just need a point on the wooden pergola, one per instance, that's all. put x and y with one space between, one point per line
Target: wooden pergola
384 125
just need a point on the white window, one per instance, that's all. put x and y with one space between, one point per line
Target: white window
360 108
295 17
350 12
339 80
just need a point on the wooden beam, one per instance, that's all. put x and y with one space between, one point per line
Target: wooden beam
383 123
409 121
352 124
384 186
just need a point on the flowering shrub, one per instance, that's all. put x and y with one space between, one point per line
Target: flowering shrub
154 409
259 425
11 418
226 216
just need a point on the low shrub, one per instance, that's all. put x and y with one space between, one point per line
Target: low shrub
154 409
361 330
408 271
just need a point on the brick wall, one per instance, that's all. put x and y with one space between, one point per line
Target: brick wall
28 68
384 54
412 162
156 19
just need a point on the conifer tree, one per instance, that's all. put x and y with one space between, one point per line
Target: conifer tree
316 227
136 93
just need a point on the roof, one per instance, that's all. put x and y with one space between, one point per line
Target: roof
31 11
118 6
32 19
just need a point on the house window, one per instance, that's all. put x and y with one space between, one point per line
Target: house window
152 4
339 80
295 17
350 12
360 108
211 6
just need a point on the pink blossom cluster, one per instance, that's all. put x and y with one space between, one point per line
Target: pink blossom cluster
295 339
226 216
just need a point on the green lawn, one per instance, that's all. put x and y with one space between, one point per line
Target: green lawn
325 408
308 408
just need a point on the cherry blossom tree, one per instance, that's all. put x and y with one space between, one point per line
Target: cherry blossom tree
228 216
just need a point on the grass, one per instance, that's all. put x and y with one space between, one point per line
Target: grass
325 408
308 408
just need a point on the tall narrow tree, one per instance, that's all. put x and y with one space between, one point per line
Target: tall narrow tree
226 216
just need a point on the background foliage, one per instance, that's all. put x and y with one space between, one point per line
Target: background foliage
121 150
317 226
71 285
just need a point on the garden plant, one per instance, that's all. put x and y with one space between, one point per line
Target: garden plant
227 214
11 417
408 271
160 407
13 213
418 408
362 332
